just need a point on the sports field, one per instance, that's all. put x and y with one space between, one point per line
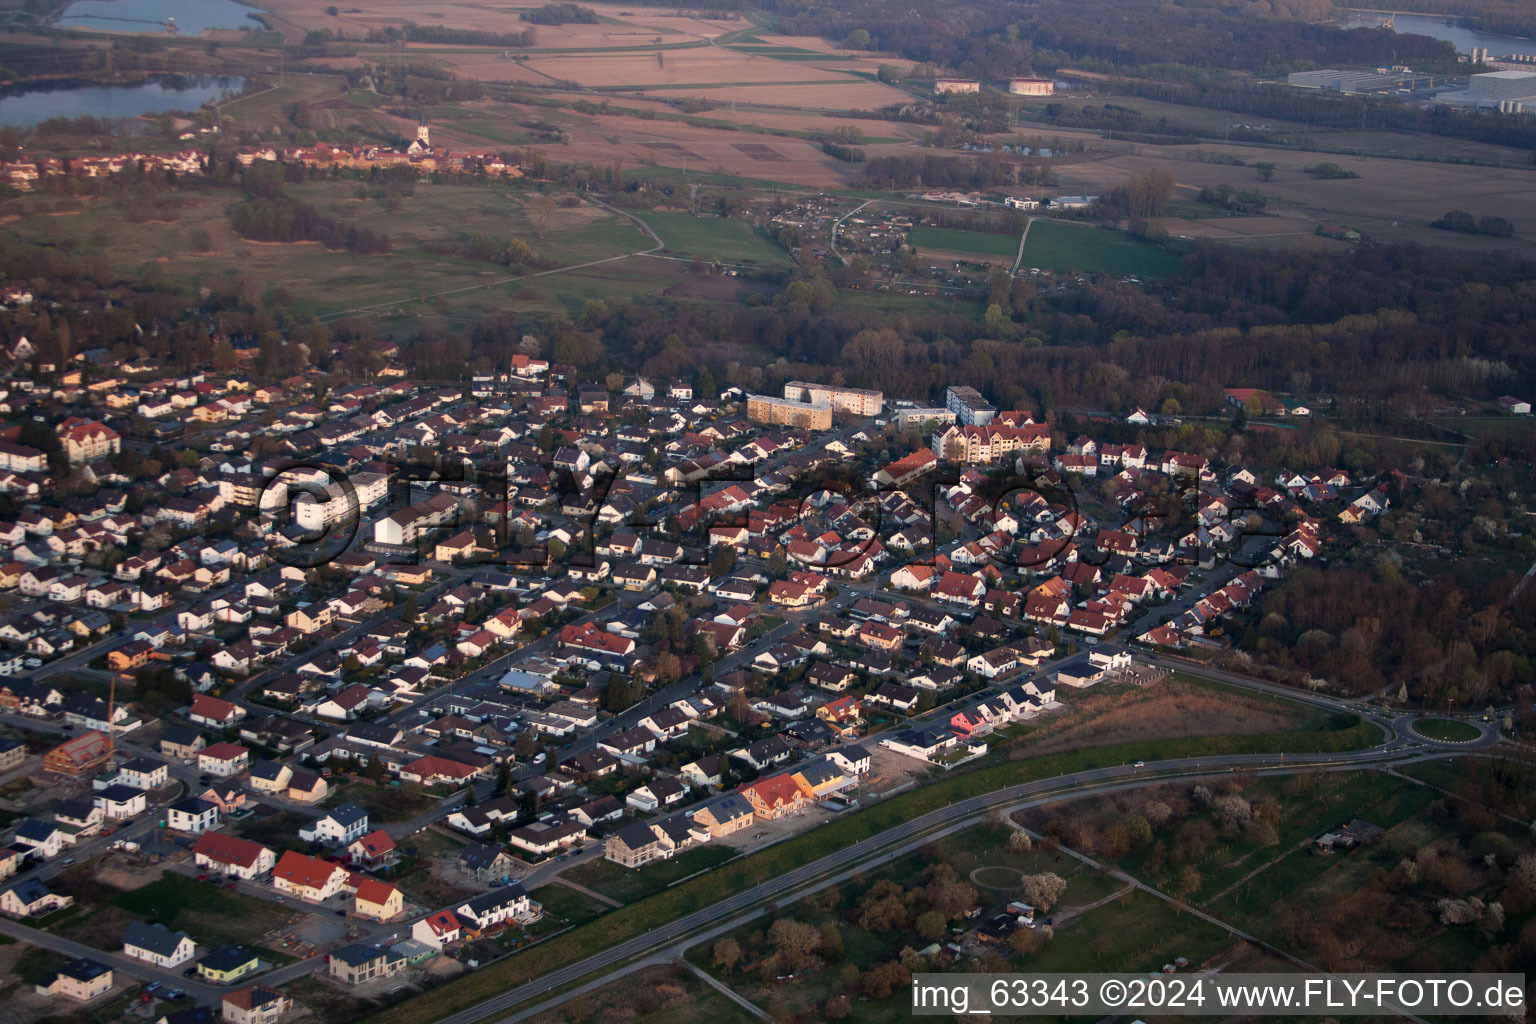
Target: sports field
714 238
925 236
1054 245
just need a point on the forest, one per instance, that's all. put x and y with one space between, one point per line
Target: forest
991 39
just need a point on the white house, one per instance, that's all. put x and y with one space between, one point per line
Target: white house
155 944
193 815
339 827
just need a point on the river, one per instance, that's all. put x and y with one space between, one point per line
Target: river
28 105
192 16
1464 39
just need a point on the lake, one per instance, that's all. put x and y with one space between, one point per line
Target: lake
1464 39
192 16
28 106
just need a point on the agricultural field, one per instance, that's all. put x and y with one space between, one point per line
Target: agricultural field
1064 247
1175 707
714 238
1392 201
925 238
317 281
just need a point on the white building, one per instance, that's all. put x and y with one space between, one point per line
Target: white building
155 944
1031 87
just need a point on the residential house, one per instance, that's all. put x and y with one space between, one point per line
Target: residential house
192 815
309 878
227 964
83 979
338 828
377 901
360 962
157 945
229 855
255 1004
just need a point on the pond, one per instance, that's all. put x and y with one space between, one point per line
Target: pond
29 105
193 17
1464 39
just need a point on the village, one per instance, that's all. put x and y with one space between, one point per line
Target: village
377 704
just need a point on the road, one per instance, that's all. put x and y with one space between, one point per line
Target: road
1019 259
843 864
839 223
171 979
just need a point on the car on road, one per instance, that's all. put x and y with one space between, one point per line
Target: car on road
230 885
278 899
175 993
202 878
153 986
67 861
189 972
1139 764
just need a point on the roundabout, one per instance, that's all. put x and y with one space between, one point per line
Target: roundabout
1446 730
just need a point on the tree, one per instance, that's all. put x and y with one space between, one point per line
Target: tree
726 954
526 747
929 925
831 941
836 1008
541 214
778 562
1266 170
411 609
722 560
883 979
794 941
1043 890
1019 841
1025 941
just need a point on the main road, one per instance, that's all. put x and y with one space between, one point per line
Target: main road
1399 747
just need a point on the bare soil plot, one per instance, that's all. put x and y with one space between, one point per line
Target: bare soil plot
642 142
758 151
705 65
807 93
618 26
1166 710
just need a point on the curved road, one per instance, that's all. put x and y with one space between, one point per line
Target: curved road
1398 748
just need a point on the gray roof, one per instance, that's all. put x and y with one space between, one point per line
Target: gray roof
730 807
154 937
478 855
348 814
488 902
267 771
360 953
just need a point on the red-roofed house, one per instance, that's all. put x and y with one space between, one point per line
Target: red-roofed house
377 901
233 856
437 930
774 797
376 849
309 878
214 712
959 588
430 770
